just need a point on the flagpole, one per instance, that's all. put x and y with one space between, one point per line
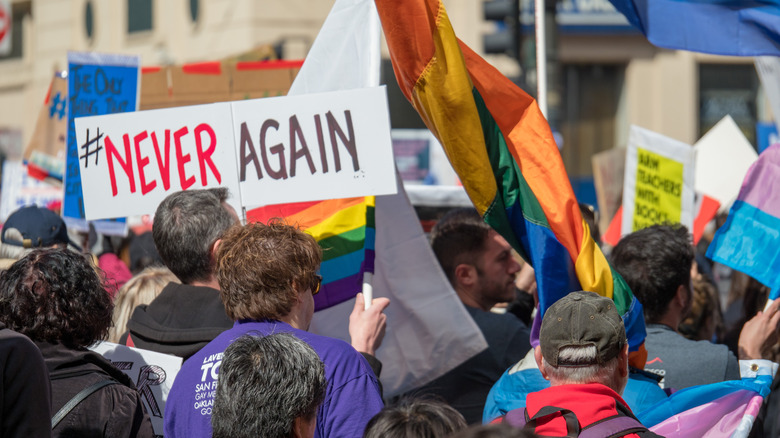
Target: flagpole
541 57
368 289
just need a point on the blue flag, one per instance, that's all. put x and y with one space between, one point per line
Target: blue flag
721 27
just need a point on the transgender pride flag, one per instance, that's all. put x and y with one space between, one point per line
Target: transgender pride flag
344 229
749 241
725 409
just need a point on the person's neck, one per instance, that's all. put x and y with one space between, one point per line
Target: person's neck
670 319
211 282
473 299
295 321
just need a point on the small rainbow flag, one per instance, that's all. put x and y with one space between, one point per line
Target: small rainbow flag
502 149
346 232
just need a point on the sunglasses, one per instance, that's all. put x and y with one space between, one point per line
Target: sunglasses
316 283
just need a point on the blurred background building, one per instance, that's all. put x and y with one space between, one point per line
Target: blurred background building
603 75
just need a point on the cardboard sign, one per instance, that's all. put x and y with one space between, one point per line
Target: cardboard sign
723 157
313 147
130 162
658 184
608 173
97 84
153 374
51 128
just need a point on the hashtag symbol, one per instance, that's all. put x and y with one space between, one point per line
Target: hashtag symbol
86 147
57 106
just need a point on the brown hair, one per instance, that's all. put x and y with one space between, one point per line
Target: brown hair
259 267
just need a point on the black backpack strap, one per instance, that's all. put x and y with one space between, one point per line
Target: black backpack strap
615 426
78 398
519 418
623 423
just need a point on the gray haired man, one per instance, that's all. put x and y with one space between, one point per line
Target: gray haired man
268 386
583 352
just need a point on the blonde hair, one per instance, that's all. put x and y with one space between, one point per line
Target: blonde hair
141 289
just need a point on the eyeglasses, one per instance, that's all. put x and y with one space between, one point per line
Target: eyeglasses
315 284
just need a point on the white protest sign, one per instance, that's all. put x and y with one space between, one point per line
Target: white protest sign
314 146
266 151
153 374
20 190
723 157
658 184
769 73
130 162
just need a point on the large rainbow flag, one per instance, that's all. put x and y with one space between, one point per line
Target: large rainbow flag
344 229
502 149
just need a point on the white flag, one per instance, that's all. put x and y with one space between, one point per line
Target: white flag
429 331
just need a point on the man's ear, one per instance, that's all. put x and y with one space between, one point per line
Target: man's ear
623 366
465 274
682 296
214 249
538 357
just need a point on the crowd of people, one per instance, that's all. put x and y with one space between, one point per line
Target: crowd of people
235 302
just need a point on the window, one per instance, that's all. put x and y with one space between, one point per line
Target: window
728 89
139 15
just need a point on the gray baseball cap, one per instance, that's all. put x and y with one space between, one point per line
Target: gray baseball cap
582 319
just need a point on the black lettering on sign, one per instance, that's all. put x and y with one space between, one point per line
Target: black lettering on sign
347 139
250 156
148 376
295 134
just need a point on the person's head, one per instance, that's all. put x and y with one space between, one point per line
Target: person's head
268 272
498 430
704 319
590 215
268 386
415 417
582 340
186 226
656 263
55 295
141 289
477 261
143 253
32 227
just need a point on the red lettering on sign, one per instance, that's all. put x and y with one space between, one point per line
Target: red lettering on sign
126 164
141 162
163 165
205 156
181 159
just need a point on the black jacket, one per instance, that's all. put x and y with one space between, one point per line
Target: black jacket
24 386
180 321
113 411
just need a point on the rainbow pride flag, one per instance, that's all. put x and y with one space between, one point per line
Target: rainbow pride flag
344 229
502 149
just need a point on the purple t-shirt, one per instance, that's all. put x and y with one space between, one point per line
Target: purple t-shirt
352 397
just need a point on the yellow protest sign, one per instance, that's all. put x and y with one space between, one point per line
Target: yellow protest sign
658 195
658 183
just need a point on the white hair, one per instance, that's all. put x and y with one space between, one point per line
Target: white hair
8 251
582 367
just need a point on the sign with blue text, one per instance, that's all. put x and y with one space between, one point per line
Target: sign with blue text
97 84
